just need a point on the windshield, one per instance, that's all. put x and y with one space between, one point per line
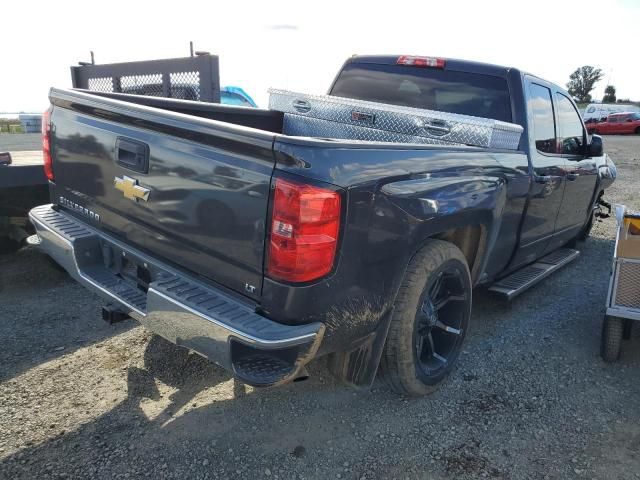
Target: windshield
429 88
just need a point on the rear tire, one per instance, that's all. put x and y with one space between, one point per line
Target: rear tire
430 320
637 130
611 341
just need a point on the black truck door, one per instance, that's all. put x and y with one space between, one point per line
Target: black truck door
581 172
548 175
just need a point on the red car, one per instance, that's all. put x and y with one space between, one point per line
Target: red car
617 123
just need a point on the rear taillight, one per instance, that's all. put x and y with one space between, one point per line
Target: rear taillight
46 144
305 222
412 61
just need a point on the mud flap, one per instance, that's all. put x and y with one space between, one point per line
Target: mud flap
358 367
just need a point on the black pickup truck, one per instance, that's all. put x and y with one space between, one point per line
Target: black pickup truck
262 251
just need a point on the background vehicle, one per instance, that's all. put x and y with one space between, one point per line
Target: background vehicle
228 95
364 251
617 124
598 111
236 96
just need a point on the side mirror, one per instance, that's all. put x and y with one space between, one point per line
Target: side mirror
595 148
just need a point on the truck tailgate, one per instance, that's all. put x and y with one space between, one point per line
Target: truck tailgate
190 190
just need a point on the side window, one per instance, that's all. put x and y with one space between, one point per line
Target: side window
544 129
571 132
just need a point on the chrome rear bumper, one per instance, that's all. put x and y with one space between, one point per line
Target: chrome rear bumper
210 321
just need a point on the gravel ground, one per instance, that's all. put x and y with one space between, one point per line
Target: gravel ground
20 141
530 399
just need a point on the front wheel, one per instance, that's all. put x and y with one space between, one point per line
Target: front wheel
430 320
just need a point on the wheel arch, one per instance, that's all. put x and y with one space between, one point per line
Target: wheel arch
466 213
471 240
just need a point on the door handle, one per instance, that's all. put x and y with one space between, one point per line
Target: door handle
572 176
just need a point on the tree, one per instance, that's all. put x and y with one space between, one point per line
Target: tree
582 81
609 94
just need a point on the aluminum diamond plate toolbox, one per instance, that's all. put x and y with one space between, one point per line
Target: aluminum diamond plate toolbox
345 118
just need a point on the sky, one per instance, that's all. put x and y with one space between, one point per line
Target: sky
301 45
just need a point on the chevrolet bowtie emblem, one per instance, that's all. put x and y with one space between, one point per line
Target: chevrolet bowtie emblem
129 186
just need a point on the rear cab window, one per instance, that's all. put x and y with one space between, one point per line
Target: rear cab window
438 89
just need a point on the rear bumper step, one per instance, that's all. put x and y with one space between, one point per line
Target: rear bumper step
525 278
181 309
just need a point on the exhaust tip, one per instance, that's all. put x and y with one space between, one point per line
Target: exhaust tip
33 240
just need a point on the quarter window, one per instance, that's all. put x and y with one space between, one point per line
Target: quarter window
543 123
571 132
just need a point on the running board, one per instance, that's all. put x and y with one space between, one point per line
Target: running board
525 278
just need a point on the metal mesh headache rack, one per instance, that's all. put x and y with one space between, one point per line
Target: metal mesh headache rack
190 78
343 118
